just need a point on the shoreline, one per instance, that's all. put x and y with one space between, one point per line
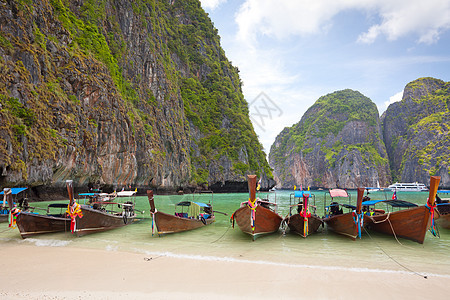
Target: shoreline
42 272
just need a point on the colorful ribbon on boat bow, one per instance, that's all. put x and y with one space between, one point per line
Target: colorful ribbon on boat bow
74 211
433 228
153 220
359 221
13 217
252 206
306 215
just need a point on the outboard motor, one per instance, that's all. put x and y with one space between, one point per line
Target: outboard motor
334 209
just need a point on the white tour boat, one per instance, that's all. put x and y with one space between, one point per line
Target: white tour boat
408 187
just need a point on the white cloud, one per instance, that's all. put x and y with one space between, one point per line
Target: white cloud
426 19
211 4
396 98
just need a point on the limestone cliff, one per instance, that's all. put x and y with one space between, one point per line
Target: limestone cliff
416 132
337 143
120 93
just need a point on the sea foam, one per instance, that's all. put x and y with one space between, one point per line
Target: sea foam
157 254
46 243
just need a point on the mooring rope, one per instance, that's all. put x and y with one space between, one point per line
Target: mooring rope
401 265
392 228
222 234
7 229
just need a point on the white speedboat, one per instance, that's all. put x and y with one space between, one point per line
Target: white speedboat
408 187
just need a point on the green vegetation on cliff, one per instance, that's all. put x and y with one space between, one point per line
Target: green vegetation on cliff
337 137
417 131
189 109
326 118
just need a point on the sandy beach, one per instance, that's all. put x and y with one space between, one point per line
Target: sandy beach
34 272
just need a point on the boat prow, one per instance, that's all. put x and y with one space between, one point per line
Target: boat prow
252 217
266 221
348 224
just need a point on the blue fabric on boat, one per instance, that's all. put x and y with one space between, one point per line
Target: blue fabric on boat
393 203
87 194
372 202
15 191
443 191
206 216
299 194
201 204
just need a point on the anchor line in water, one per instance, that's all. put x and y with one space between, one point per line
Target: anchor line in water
393 259
222 234
7 229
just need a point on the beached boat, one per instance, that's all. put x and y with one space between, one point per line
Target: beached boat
349 224
408 187
188 215
31 223
410 223
102 215
255 216
302 218
16 199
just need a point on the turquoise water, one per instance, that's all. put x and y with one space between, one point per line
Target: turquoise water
221 242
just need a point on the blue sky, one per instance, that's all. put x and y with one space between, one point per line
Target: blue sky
295 51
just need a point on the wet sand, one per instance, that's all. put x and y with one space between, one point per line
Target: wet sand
34 272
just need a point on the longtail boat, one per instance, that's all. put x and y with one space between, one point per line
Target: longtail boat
411 223
349 224
31 223
4 208
102 215
188 215
305 221
255 216
442 215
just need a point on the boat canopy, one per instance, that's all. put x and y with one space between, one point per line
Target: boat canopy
393 203
126 193
443 191
88 194
15 191
338 193
299 194
349 206
188 203
372 202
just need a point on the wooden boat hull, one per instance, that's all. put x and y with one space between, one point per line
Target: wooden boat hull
296 224
94 220
166 223
30 224
411 224
343 224
266 221
442 215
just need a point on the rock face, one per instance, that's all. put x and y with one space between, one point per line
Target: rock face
416 132
120 93
337 143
